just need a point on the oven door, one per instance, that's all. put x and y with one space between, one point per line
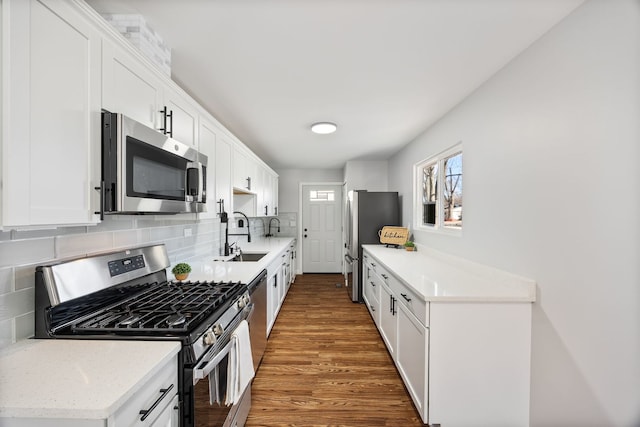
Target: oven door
210 379
145 171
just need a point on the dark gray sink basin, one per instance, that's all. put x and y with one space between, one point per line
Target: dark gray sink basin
247 257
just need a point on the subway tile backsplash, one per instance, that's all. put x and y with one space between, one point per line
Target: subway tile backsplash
22 251
185 238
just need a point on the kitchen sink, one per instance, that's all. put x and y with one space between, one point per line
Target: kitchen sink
245 257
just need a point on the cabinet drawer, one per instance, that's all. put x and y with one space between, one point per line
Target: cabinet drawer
380 271
148 395
410 300
372 295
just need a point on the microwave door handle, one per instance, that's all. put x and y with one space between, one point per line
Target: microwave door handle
202 183
194 179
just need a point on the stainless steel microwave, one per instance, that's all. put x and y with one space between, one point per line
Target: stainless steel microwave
147 172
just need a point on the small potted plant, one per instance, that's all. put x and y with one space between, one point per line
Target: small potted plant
181 271
409 245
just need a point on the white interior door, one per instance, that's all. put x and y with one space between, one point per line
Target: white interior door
321 228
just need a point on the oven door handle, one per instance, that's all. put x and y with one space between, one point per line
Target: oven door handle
202 373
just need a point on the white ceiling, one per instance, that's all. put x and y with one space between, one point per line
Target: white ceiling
383 70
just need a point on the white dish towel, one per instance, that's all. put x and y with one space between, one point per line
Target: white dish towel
240 370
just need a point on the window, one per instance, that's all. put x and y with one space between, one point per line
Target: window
321 196
438 199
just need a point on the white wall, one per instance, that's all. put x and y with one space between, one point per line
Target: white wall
552 192
369 175
289 180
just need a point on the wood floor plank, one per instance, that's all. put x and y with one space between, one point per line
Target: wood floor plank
326 365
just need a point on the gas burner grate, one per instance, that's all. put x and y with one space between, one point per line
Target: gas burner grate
169 308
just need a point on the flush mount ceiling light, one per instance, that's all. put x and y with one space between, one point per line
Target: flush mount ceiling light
323 127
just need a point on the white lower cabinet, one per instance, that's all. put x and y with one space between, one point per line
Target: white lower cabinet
278 283
145 396
411 356
155 404
273 299
388 320
464 363
371 294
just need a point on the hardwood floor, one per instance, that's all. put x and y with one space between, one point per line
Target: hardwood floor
326 365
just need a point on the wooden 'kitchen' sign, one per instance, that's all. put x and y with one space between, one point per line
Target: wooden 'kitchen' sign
393 235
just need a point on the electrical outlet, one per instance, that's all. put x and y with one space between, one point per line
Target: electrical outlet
188 232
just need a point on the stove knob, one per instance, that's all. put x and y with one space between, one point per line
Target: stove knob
217 329
209 338
241 302
247 300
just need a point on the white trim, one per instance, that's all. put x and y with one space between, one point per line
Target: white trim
417 192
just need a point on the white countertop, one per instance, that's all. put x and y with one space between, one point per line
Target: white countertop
79 379
442 277
213 268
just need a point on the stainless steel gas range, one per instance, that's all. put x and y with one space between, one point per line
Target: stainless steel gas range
126 295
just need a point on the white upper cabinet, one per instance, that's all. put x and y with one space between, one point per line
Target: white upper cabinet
132 88
267 192
129 87
274 193
223 201
260 187
207 136
243 170
62 64
215 145
182 116
51 114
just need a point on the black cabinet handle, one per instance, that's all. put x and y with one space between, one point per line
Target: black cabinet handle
170 115
145 412
384 276
248 183
163 129
405 297
102 194
276 210
266 210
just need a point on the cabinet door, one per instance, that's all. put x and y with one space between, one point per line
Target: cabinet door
370 295
282 288
260 187
207 137
388 319
170 416
223 174
128 87
241 178
274 195
411 357
272 301
183 123
52 100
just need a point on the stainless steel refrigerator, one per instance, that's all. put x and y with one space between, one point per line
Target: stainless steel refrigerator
366 213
